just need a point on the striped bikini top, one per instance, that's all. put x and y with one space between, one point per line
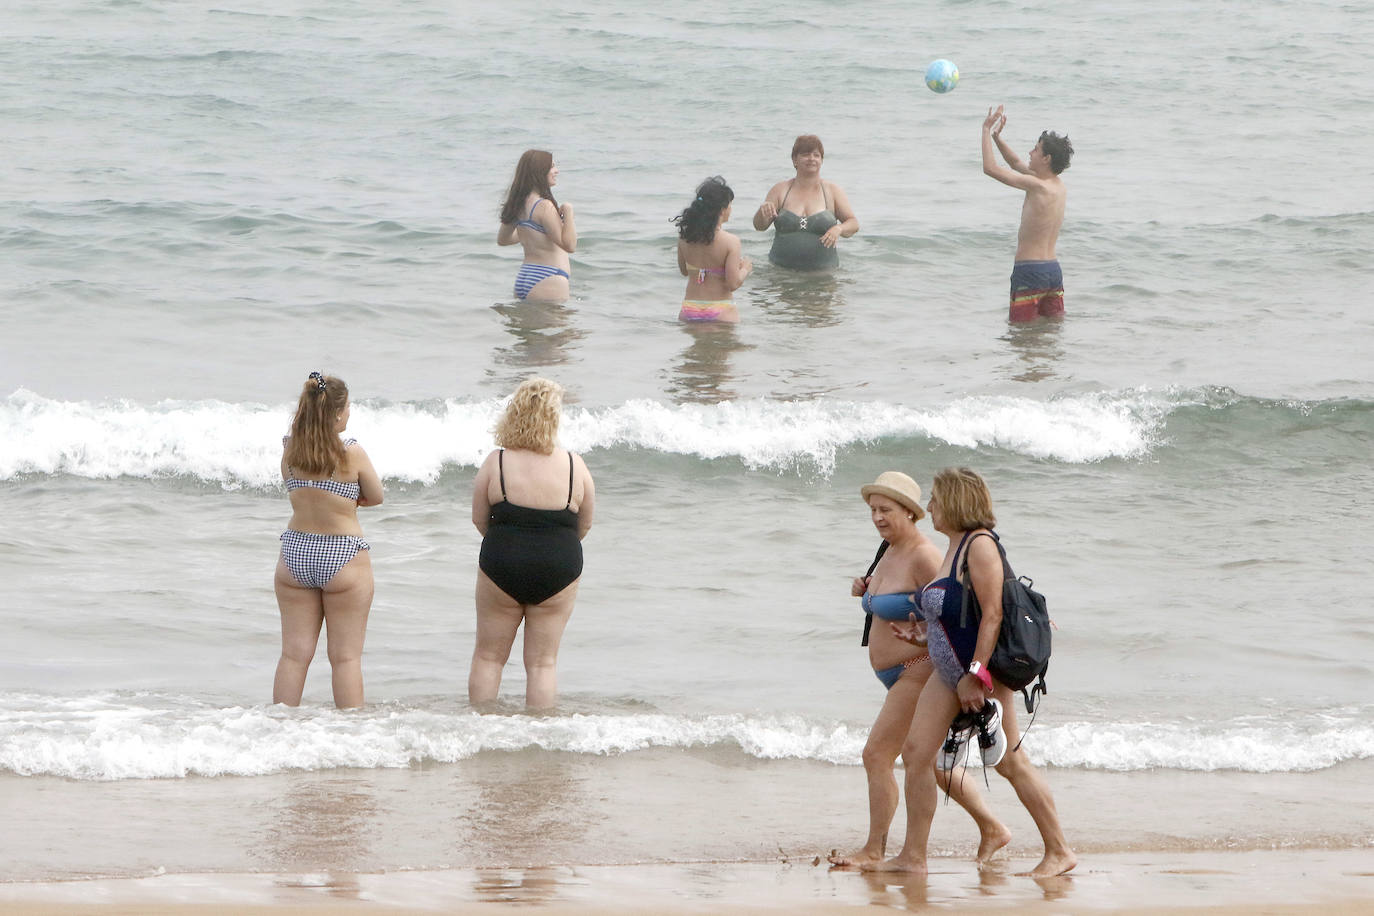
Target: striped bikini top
338 488
529 223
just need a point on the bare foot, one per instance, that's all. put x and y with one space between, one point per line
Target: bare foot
898 864
865 856
991 842
1057 863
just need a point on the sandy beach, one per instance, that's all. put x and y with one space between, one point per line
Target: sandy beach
1271 881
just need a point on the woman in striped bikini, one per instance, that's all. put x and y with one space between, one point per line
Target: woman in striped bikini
324 573
533 218
708 256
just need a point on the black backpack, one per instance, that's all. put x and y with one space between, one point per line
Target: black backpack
1022 653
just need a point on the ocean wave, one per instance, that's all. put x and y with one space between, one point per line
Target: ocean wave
237 445
113 737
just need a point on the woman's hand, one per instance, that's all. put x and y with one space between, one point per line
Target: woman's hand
972 693
831 236
565 211
913 631
859 587
768 211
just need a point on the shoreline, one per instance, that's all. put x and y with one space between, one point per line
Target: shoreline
1271 881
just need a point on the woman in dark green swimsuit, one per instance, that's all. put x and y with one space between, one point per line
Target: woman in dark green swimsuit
809 215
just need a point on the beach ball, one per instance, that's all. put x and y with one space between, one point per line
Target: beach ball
942 76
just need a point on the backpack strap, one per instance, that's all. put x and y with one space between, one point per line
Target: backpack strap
868 618
971 599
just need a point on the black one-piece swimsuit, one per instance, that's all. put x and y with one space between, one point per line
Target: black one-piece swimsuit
531 554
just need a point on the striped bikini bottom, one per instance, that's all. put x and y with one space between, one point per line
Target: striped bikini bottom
530 274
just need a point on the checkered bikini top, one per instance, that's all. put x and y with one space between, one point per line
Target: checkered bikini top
338 488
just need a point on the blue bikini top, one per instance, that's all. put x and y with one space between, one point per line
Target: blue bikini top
337 487
529 223
890 605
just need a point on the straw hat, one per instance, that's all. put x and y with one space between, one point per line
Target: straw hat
896 486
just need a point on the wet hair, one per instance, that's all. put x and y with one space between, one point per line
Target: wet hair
806 143
315 446
531 418
699 221
531 174
1058 149
964 500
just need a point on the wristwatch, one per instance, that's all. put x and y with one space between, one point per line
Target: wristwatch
978 671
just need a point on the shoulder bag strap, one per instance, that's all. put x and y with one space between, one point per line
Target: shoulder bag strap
868 618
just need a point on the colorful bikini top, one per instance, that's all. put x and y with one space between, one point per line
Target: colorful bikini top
703 271
508 513
529 223
890 605
337 487
817 223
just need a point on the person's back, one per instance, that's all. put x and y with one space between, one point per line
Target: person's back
527 478
706 263
533 231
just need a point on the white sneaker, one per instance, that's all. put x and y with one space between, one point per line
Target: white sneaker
954 752
992 740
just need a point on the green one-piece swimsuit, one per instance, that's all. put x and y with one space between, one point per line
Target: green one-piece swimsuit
797 238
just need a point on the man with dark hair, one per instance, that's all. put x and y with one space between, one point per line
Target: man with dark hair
1037 283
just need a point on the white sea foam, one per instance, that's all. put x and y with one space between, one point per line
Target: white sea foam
107 738
238 444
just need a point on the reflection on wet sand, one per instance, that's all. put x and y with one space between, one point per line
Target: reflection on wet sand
518 885
321 823
520 806
809 298
543 334
1036 349
702 374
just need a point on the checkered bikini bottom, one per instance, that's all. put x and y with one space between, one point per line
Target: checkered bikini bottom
313 559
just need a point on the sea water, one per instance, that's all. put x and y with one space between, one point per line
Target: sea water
204 202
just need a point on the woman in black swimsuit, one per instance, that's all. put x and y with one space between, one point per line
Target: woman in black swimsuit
532 502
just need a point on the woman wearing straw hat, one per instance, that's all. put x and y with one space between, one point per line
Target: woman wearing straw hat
961 509
906 562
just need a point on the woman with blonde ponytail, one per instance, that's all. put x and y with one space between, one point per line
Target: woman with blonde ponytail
324 573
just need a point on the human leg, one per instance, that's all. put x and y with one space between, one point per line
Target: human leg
1034 793
498 619
934 710
544 625
347 602
302 613
992 833
884 743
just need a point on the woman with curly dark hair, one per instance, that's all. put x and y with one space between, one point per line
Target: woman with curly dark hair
708 256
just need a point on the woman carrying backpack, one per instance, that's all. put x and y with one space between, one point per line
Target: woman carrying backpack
961 509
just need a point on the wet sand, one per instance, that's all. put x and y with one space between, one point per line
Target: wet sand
1268 881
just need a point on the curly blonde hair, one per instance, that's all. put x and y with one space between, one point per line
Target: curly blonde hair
965 503
531 418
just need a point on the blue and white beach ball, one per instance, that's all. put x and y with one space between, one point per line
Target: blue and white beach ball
942 76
